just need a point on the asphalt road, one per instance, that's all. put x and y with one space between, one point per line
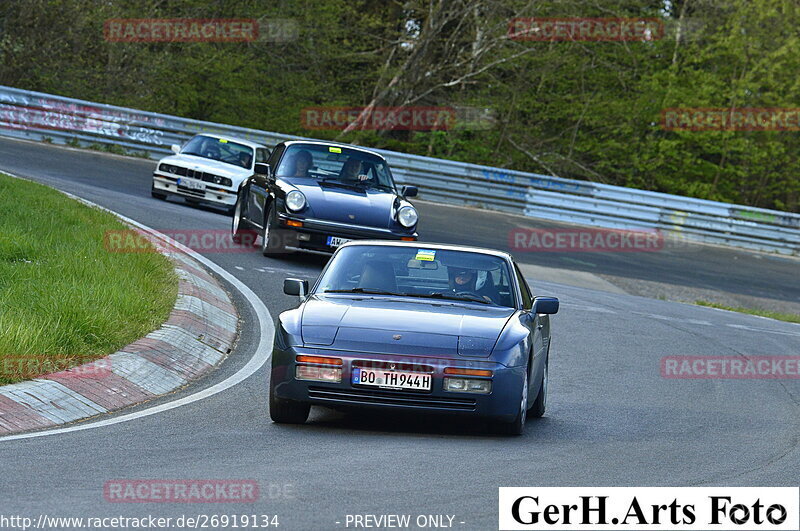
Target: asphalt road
612 419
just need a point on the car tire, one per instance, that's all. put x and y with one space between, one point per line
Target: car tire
271 235
540 404
517 426
286 411
237 229
157 195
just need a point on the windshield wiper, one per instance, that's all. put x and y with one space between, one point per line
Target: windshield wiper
366 291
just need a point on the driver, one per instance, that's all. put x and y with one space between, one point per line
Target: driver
212 151
351 171
302 161
465 280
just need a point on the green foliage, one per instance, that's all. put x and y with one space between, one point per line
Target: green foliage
583 110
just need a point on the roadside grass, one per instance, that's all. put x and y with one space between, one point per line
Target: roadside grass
789 317
65 299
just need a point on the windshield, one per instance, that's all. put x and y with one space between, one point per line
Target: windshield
335 166
219 149
419 272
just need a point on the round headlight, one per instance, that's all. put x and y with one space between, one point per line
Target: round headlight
295 200
407 216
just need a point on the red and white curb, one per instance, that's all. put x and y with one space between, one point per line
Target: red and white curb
199 333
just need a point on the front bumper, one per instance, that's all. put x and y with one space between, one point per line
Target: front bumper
313 235
213 194
502 403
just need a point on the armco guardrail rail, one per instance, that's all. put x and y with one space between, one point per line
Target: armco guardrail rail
37 116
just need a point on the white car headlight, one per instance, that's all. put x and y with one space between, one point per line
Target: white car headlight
295 200
407 216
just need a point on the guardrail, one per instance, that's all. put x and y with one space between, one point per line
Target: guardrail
37 116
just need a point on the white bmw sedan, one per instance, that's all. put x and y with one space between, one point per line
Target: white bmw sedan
207 169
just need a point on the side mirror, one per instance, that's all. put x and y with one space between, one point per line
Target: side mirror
295 286
545 305
175 148
409 191
262 169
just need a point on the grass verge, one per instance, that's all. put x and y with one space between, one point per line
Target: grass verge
65 299
789 317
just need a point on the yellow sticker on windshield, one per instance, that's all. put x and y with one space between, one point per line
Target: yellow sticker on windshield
222 140
427 256
335 150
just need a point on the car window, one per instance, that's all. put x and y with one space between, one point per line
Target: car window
527 299
335 166
262 154
419 272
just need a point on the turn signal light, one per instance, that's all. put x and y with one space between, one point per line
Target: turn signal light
467 372
319 360
293 223
408 239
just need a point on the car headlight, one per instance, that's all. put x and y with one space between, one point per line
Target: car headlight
295 200
407 216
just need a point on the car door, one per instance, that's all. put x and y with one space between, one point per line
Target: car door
259 188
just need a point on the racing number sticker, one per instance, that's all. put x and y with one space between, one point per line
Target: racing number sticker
426 256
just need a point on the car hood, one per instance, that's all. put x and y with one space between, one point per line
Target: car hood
356 206
207 165
424 327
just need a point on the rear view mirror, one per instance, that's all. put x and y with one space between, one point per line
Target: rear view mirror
409 191
430 265
175 148
262 169
295 286
545 305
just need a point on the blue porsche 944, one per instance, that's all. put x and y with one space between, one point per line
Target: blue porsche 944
411 326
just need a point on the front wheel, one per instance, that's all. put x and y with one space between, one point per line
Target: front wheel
286 411
271 236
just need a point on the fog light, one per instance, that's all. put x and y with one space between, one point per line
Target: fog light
303 237
319 374
468 385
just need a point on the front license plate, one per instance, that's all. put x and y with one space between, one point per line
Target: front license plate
191 185
392 379
334 241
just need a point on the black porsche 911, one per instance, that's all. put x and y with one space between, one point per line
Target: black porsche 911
314 196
